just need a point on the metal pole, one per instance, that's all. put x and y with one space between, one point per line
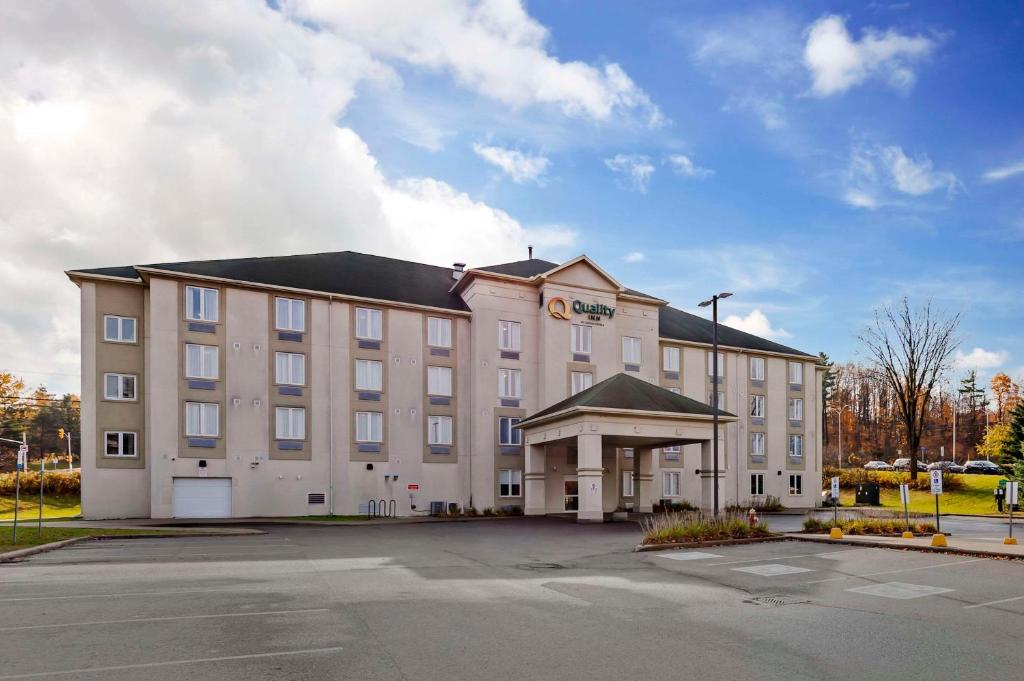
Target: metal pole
70 455
840 437
906 508
937 527
714 392
956 407
42 466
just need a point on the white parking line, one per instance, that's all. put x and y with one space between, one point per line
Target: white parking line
772 569
758 560
116 595
893 572
163 619
1001 600
688 555
148 665
62 557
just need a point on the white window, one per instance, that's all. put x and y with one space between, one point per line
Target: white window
796 446
630 350
201 304
677 391
290 368
510 383
672 450
670 484
757 368
118 329
439 381
721 399
439 430
507 433
670 359
369 426
581 380
796 484
581 339
509 335
369 375
439 332
119 386
721 364
757 406
756 484
201 361
627 453
796 373
202 419
757 444
627 483
291 423
290 314
796 409
369 323
120 443
510 483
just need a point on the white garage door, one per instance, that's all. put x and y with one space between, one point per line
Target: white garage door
201 498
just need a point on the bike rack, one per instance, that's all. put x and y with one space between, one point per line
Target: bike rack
381 508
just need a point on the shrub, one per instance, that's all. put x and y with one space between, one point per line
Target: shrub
489 512
61 483
877 526
666 506
849 478
770 504
693 527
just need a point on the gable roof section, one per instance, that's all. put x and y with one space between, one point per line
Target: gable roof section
625 392
521 268
683 326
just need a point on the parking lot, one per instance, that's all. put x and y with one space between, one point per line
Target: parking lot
504 599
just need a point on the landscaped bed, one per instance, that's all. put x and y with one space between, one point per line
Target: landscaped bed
696 527
883 527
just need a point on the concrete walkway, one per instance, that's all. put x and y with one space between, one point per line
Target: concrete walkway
955 544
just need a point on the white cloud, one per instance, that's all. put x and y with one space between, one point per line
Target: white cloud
876 174
634 256
837 62
979 358
1004 172
636 168
149 132
493 47
517 165
684 167
756 323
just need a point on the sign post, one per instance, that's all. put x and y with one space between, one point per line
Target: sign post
42 468
835 500
938 539
905 500
22 457
1011 495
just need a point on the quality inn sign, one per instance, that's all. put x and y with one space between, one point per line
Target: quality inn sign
559 309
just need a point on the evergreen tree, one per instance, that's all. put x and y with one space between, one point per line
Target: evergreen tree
1013 448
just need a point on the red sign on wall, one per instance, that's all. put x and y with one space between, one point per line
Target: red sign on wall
413 487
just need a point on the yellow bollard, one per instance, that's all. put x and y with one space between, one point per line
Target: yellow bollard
908 535
1009 540
939 540
835 533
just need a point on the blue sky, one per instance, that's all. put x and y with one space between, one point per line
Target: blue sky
818 159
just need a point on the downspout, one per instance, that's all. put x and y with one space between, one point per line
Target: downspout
330 397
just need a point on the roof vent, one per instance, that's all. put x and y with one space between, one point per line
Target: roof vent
458 269
529 250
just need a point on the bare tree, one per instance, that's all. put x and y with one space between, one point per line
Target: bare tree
912 348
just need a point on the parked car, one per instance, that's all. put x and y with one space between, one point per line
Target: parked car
982 467
946 467
877 466
904 465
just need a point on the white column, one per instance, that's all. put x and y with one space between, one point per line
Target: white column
643 479
590 474
707 477
534 480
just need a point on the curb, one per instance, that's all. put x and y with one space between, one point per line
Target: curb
909 547
640 548
18 554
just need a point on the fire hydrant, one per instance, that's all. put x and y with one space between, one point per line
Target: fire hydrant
752 518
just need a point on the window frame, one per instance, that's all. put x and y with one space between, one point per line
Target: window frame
582 377
291 412
515 335
202 406
370 426
667 352
361 361
278 355
757 400
203 353
627 481
757 436
372 314
514 434
757 484
721 364
120 387
432 390
515 383
579 333
204 311
513 484
797 478
637 343
793 438
799 370
797 402
443 327
756 362
443 430
121 319
721 398
278 326
666 490
120 444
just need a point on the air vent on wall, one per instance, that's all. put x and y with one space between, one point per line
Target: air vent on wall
316 498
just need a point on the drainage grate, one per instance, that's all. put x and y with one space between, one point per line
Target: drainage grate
774 601
540 566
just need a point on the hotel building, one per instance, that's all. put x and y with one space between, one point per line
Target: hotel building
313 384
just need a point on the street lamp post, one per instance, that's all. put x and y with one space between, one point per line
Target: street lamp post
713 302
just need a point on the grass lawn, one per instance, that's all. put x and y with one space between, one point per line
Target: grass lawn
53 506
28 535
974 499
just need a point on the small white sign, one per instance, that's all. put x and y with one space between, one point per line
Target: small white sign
936 481
905 494
835 487
22 450
1011 492
21 458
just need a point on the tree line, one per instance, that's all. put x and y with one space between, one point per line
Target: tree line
38 414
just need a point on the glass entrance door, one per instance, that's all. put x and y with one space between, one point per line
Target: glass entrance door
571 493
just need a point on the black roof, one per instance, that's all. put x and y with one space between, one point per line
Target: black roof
623 391
521 268
679 325
345 273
